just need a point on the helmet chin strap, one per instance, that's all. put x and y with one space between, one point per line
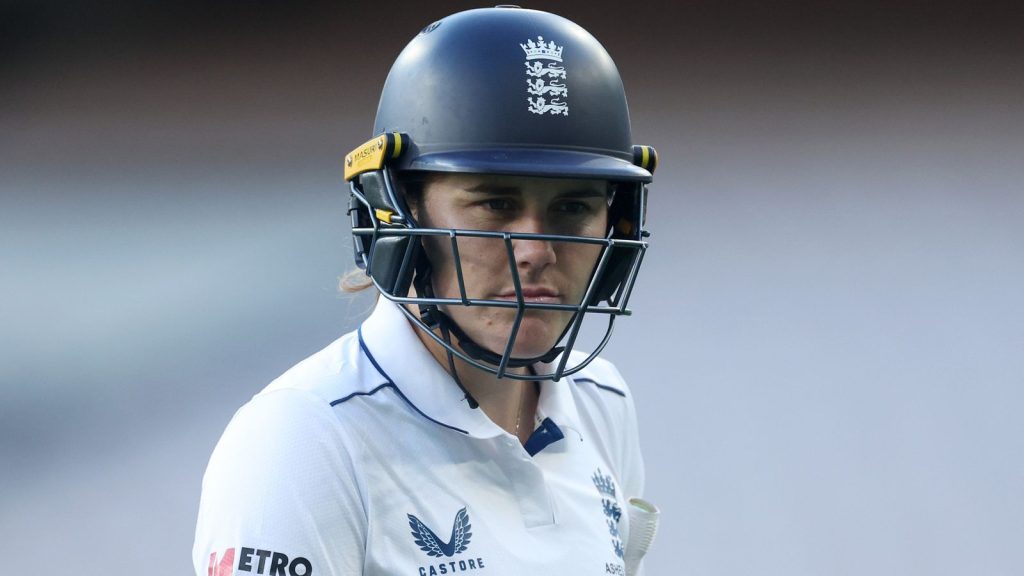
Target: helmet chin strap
430 315
454 372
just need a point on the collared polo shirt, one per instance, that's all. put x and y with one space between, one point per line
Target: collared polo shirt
366 458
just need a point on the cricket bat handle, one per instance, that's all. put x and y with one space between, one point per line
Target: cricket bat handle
643 526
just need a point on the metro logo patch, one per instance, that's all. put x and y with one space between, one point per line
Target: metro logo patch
222 567
257 561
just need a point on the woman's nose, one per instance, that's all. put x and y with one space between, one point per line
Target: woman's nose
534 254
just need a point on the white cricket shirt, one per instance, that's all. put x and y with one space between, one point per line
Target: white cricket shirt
366 459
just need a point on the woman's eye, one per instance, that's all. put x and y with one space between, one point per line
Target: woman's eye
498 204
574 207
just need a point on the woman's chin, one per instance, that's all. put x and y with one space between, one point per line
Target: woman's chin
534 338
537 334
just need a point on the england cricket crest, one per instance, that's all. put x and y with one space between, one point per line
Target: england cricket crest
545 82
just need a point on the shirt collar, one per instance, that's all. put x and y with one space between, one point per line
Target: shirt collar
390 340
556 400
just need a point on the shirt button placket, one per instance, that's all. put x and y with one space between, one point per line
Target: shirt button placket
529 485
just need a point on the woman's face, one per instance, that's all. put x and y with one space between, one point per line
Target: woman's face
549 272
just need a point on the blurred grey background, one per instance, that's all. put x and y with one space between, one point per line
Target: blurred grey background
826 346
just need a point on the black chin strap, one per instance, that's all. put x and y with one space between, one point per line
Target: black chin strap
455 373
430 315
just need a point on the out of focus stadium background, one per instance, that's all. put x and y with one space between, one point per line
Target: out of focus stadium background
827 342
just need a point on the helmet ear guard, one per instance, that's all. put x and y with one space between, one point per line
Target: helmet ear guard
393 261
626 219
374 205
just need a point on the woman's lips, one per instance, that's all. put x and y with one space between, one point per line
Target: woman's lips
536 295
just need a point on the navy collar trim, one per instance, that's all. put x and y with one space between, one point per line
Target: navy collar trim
547 433
390 384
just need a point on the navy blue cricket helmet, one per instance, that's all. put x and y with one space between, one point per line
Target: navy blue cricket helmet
502 91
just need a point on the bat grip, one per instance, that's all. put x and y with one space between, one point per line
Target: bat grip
643 526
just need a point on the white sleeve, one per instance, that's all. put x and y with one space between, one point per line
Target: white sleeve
632 463
632 459
281 494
